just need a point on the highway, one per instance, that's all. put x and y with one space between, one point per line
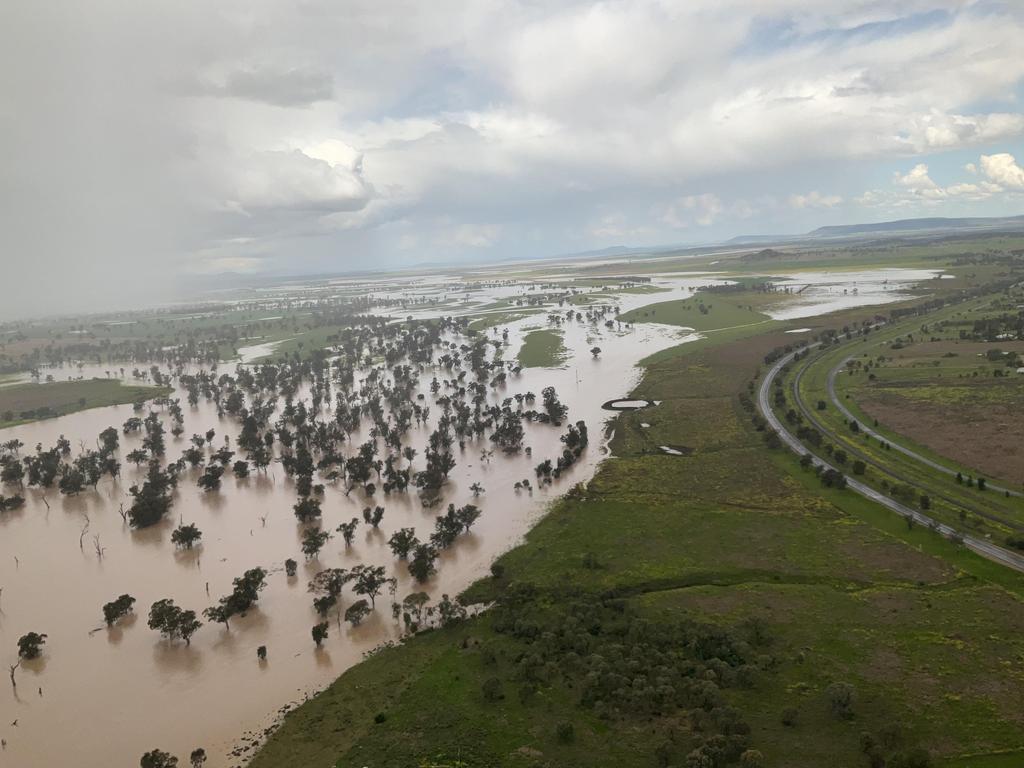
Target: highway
982 547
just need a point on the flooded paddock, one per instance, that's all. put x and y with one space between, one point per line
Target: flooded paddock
101 696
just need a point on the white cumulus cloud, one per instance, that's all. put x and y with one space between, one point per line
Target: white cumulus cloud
1002 169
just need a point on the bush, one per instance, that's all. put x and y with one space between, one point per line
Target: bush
565 732
491 689
912 758
790 717
840 699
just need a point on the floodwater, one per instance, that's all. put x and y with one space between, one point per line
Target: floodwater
103 696
824 292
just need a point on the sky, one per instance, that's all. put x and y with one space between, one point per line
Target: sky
148 144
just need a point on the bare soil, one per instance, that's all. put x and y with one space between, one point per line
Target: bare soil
988 437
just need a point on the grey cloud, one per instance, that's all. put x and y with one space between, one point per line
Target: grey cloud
278 87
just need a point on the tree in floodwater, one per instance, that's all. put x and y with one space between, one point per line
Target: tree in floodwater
290 567
555 409
356 612
157 758
313 541
186 536
13 472
329 583
30 645
402 542
210 479
244 595
307 509
348 531
369 580
172 622
137 457
108 440
319 633
374 516
152 500
198 757
118 608
421 566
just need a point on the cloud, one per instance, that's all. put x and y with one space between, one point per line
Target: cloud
305 137
702 210
294 180
616 225
468 236
916 186
814 199
1002 169
916 178
279 87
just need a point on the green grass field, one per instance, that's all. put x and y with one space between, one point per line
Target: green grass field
20 403
701 312
542 349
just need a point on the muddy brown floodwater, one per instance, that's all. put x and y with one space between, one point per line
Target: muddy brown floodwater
101 697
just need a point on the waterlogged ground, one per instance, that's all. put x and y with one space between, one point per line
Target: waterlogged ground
119 692
103 696
824 292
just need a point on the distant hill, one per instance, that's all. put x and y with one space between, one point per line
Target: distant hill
921 225
926 226
763 255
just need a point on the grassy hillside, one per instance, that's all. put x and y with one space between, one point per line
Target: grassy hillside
710 609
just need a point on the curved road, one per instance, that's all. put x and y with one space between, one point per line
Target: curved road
895 446
982 547
871 461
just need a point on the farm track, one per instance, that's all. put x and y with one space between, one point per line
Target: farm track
871 461
831 384
979 546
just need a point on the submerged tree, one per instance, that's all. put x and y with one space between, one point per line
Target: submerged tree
319 633
402 542
30 645
186 536
421 566
118 608
348 530
313 541
152 500
307 509
172 622
369 580
157 758
356 612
